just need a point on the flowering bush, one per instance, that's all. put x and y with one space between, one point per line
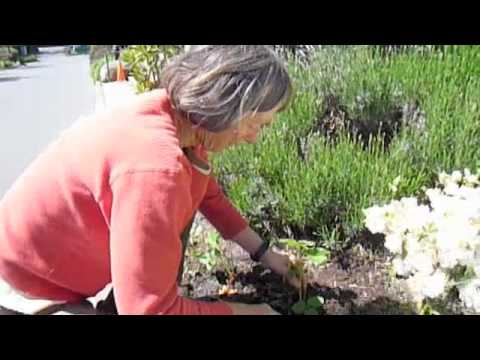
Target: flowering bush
435 243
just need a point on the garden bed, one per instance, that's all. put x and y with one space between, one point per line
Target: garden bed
354 281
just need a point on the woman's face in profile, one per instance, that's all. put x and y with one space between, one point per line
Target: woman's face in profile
246 132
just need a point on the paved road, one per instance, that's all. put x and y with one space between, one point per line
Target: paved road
36 103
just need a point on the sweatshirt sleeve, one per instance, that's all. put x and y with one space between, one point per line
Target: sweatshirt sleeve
220 212
145 228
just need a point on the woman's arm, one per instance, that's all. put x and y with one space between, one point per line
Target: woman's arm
251 241
220 212
146 220
146 249
218 209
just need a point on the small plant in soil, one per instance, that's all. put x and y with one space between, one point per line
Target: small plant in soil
228 266
307 250
303 255
427 309
297 269
311 306
210 257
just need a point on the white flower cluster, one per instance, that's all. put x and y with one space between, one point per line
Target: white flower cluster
431 242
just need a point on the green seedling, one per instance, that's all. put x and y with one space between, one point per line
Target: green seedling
298 270
210 257
229 268
312 306
426 309
307 250
304 254
213 257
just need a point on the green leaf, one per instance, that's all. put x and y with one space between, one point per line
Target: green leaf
469 273
318 256
311 312
462 273
315 302
299 307
213 240
427 309
307 243
292 243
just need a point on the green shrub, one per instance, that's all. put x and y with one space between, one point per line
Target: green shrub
5 64
322 197
8 53
30 58
350 131
97 52
146 62
96 66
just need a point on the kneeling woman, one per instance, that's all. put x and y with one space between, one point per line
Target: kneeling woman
108 202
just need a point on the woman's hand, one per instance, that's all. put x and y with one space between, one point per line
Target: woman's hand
250 309
280 264
250 241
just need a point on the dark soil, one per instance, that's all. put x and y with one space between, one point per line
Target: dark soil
354 282
384 121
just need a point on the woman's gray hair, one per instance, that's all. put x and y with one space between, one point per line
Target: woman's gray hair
215 86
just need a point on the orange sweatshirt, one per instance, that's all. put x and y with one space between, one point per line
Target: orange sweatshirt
107 202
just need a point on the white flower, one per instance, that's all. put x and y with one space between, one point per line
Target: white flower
412 244
394 242
417 217
451 188
469 293
456 176
453 243
472 195
430 241
470 179
404 215
421 262
409 202
438 200
415 285
431 286
400 267
443 178
476 270
472 239
457 229
474 265
435 285
441 204
375 219
448 259
394 221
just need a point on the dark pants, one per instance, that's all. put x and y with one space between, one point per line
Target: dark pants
80 308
